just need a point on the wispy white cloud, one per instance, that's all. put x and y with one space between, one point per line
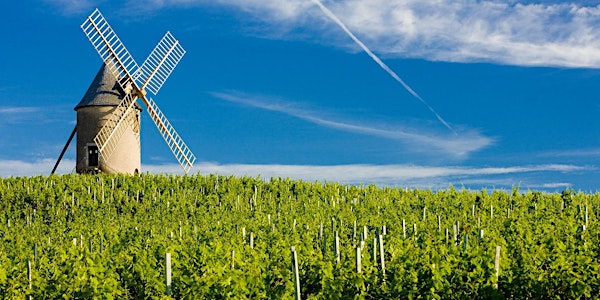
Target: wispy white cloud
33 168
377 60
553 185
74 7
388 175
507 32
10 115
13 110
574 153
456 145
16 114
384 175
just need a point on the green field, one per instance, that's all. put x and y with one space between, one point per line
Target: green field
106 236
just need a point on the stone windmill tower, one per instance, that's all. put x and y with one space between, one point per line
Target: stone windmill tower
93 112
108 115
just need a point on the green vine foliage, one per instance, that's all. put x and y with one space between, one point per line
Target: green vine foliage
106 237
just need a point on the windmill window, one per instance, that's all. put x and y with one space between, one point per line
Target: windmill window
92 152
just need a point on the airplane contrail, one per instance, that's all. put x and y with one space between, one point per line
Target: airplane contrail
385 67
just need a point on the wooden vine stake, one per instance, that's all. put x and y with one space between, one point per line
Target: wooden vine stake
168 274
497 265
296 274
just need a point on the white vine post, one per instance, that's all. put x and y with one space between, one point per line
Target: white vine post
232 259
168 274
296 274
381 255
497 265
457 227
358 260
415 230
29 275
455 234
332 226
375 250
337 247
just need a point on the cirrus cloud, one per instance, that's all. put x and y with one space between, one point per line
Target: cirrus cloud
506 32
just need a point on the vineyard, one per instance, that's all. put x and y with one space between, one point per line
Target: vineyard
207 237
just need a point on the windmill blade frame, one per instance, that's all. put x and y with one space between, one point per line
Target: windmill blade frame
111 49
180 150
160 63
109 135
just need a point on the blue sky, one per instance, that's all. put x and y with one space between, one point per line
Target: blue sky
279 88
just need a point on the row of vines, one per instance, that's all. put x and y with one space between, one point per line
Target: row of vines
106 236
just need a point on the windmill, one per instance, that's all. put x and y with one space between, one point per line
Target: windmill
108 116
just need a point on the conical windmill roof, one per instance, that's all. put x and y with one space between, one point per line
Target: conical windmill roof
104 91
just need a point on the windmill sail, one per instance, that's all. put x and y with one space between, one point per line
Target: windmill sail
160 63
108 137
180 150
110 48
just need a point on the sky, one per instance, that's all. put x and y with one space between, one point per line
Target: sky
403 93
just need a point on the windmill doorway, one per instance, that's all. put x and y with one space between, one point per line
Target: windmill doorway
93 155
